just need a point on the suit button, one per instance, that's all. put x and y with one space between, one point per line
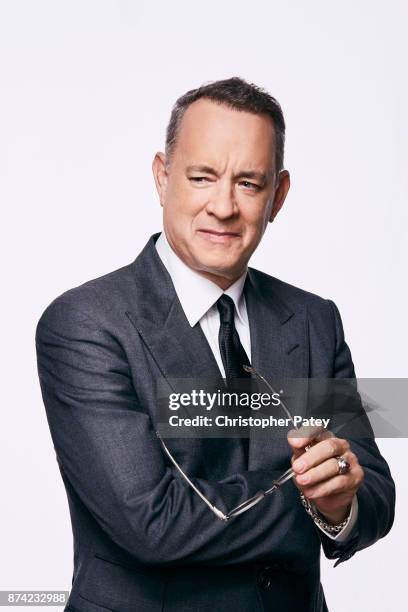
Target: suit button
264 578
265 575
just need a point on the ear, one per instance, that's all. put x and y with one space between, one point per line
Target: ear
281 191
160 175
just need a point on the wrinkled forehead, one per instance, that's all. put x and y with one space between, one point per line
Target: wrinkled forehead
210 131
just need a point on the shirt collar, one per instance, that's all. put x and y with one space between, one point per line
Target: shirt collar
196 293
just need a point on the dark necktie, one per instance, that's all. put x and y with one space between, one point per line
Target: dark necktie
232 352
233 357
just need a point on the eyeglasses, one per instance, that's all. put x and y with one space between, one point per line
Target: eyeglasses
255 499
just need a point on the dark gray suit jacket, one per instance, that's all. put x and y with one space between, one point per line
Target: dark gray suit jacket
143 540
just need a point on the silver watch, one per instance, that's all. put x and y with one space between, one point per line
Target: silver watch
312 511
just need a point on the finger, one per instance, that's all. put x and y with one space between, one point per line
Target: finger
297 452
340 483
307 436
346 484
331 486
330 447
299 438
325 470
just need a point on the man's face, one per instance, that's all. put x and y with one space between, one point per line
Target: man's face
220 189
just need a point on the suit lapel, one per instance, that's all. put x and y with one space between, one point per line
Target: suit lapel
180 351
279 351
278 333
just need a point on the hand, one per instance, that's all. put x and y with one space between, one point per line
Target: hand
317 471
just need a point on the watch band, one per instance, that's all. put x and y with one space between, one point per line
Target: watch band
312 511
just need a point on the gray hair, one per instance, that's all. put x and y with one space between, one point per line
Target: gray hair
236 94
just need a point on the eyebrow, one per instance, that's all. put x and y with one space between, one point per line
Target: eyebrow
259 176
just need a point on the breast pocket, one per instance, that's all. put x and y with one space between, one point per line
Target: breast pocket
122 589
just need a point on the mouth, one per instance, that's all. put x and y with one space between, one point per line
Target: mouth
219 237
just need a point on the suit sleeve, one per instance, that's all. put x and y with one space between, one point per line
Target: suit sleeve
376 495
107 450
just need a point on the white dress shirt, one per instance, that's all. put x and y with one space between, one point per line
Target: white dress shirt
198 296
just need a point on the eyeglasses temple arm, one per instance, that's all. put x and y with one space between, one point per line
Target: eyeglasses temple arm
252 370
216 511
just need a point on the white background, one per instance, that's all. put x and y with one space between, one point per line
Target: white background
86 92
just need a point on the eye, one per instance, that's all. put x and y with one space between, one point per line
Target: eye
249 185
198 179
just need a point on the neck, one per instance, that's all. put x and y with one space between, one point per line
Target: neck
222 281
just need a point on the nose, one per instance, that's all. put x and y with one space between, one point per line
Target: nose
222 203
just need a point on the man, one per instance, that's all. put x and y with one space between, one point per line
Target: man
189 306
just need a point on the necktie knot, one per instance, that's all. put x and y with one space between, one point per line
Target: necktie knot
226 308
